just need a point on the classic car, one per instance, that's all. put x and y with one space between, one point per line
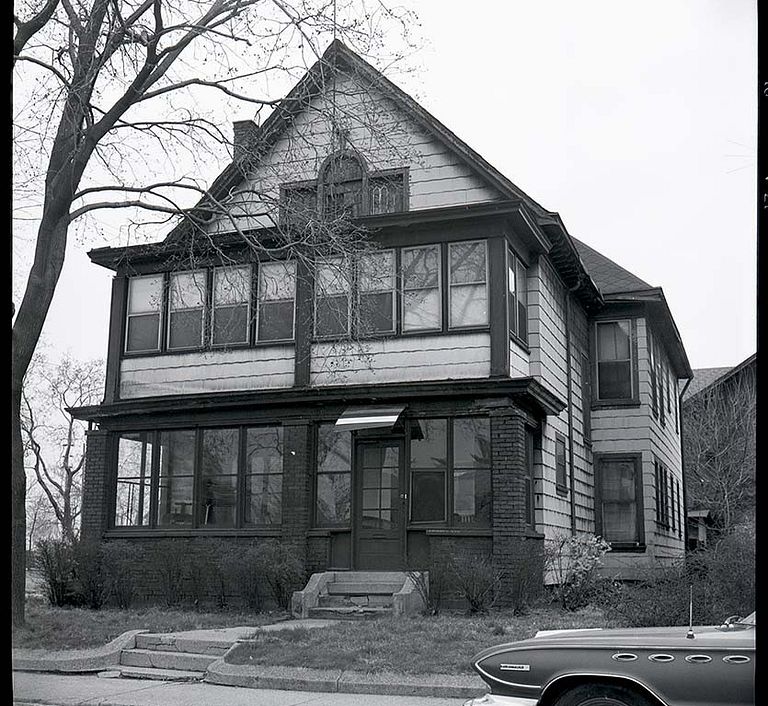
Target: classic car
671 666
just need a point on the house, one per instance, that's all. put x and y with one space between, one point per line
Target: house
719 417
474 381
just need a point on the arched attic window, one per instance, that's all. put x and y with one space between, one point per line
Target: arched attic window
344 183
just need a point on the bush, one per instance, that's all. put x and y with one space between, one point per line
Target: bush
244 568
55 560
431 585
572 561
119 561
526 582
721 577
476 580
90 582
168 562
282 571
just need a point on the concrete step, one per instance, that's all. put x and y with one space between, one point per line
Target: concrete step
382 600
160 674
179 643
349 613
382 576
184 661
363 588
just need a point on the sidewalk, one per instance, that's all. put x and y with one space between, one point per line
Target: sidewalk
80 690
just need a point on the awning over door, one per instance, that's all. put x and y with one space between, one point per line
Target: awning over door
369 418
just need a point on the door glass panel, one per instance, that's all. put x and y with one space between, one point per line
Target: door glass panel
380 491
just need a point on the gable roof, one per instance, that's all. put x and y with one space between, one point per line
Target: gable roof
704 378
610 277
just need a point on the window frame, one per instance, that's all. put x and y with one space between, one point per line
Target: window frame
259 303
450 286
633 400
636 459
205 309
403 290
160 314
561 476
356 325
248 304
513 298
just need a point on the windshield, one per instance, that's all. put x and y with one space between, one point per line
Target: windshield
750 619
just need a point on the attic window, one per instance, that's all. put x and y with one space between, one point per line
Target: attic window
343 182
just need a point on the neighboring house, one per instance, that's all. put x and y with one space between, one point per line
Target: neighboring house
719 437
511 382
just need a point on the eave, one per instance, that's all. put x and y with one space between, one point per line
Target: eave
527 391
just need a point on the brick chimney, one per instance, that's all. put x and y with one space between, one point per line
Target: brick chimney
244 133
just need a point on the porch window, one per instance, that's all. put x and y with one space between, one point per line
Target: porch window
145 298
218 478
186 318
333 477
277 296
468 277
264 476
176 478
429 469
517 308
614 360
472 471
332 298
376 292
134 465
231 305
619 504
422 300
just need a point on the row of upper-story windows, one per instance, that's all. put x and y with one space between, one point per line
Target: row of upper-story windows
664 386
426 288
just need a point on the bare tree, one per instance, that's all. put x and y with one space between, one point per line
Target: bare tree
41 522
720 449
107 95
54 439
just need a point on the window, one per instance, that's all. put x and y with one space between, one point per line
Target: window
679 510
134 473
176 478
586 398
342 183
277 295
652 367
517 310
468 292
614 360
667 375
263 476
619 502
472 471
186 318
333 477
145 299
207 478
676 389
376 292
660 375
561 477
422 300
530 518
429 469
386 193
298 204
332 298
218 478
231 305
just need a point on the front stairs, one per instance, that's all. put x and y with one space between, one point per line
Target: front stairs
357 595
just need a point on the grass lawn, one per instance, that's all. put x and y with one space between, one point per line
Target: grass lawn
63 628
443 644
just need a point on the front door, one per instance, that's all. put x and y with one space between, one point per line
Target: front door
380 505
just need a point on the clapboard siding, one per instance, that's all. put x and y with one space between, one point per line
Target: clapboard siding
519 361
455 356
381 132
266 367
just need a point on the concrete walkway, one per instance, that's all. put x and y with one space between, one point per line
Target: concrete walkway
79 690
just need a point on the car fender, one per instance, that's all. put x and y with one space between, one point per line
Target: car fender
583 676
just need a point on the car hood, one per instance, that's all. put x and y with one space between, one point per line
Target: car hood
704 636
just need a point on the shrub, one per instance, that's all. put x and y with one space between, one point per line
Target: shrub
431 585
55 560
244 568
572 561
167 561
282 571
119 561
526 580
476 580
90 582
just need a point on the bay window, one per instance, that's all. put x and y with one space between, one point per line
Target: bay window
186 309
615 360
145 300
277 294
467 284
422 300
517 308
231 305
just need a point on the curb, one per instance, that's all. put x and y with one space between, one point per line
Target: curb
340 681
74 661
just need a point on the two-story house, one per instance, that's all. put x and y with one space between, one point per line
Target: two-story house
507 382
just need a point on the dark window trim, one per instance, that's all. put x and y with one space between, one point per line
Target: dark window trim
637 459
514 334
561 488
634 399
449 285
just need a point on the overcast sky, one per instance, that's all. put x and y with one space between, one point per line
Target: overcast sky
635 121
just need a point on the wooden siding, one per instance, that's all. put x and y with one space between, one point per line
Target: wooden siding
263 367
519 361
415 358
381 132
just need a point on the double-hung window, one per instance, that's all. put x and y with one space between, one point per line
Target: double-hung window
230 317
517 309
376 299
332 297
422 301
468 284
619 502
561 473
145 302
277 294
614 360
652 370
186 310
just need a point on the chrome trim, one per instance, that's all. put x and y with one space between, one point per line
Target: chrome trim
496 700
698 659
624 657
661 657
603 675
502 681
736 659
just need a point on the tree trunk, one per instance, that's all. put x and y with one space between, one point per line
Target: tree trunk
18 511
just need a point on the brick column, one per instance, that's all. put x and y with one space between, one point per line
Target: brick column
510 545
96 504
297 493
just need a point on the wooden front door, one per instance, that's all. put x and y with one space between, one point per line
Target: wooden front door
380 505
